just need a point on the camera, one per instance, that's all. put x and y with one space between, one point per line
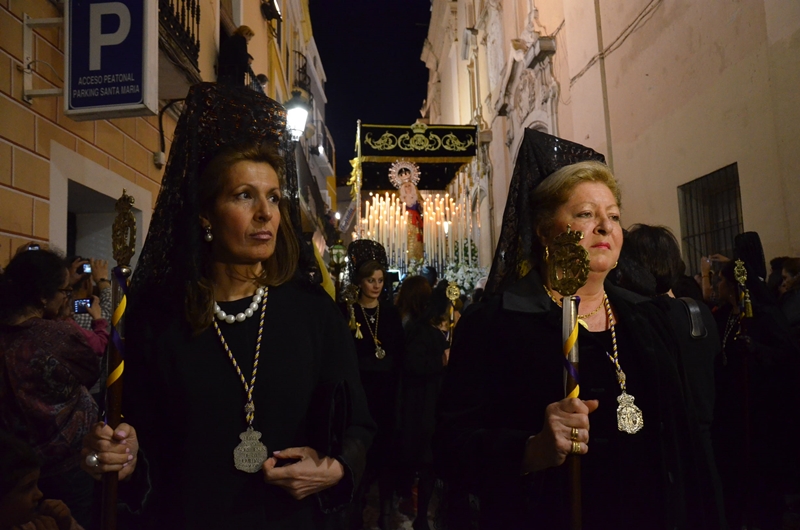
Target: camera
82 305
85 269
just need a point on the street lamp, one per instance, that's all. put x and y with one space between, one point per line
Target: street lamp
296 115
338 257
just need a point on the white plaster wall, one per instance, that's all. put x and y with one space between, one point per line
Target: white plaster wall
93 239
67 165
694 90
585 112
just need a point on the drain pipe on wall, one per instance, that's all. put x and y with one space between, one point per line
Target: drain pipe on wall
604 85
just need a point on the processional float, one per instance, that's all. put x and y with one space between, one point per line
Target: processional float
398 186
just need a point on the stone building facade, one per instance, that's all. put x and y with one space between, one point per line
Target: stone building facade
694 104
59 178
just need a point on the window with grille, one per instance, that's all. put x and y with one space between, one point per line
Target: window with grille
711 215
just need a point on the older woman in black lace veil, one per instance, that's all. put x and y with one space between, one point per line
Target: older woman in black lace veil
222 275
505 428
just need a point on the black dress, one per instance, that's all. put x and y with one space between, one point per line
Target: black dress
186 401
421 383
506 366
756 381
380 376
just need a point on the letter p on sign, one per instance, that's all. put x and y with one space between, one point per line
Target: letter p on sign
98 39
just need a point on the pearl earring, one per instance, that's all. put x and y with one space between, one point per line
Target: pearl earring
207 235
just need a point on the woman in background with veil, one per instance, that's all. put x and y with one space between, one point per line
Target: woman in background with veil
230 438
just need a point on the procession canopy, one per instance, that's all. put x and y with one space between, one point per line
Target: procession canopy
438 150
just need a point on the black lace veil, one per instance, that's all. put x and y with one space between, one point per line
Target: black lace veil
539 156
214 116
361 251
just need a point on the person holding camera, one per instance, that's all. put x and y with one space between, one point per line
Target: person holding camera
92 312
46 364
93 284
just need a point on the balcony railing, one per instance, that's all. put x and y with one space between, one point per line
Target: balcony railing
181 20
322 139
301 77
252 82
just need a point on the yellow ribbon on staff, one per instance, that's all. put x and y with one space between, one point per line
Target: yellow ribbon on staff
119 312
570 342
115 318
116 374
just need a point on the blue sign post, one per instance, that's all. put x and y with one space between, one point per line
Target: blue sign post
111 59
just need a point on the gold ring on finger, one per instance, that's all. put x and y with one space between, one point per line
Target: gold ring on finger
574 435
576 448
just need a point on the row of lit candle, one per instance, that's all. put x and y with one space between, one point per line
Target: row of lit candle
447 226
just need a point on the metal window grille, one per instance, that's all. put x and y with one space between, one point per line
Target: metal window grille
252 82
711 215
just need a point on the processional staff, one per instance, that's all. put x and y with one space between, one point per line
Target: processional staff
123 245
453 294
568 270
745 312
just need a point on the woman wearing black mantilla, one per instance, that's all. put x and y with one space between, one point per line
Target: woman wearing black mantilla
380 343
505 428
234 354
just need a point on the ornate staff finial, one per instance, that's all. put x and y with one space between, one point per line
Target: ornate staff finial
123 238
453 292
568 263
740 273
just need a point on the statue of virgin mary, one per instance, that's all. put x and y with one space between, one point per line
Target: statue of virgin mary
404 176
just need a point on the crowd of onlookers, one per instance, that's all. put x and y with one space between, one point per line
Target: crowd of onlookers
54 330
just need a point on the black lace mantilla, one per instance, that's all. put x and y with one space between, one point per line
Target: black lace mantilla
361 251
540 155
214 116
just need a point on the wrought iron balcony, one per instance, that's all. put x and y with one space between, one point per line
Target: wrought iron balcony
322 148
252 82
180 22
301 78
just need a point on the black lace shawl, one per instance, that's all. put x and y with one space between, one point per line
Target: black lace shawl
539 156
361 251
214 116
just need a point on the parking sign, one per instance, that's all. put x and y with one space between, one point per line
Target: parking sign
111 59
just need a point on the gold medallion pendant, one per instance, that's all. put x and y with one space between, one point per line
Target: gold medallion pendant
380 353
629 416
250 454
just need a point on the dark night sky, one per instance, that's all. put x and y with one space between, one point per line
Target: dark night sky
370 50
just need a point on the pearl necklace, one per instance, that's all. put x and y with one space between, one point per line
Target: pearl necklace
241 317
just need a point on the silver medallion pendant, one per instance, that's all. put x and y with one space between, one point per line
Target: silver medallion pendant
250 454
629 416
380 353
